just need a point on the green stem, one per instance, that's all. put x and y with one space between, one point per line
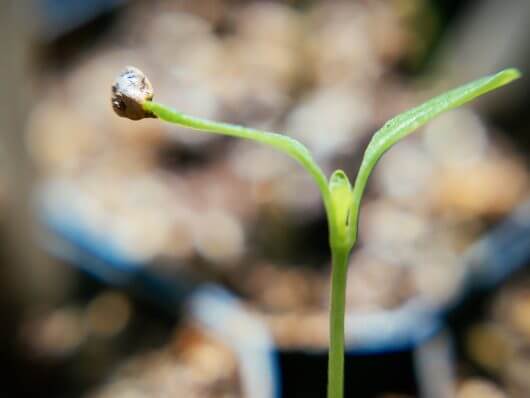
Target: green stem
336 324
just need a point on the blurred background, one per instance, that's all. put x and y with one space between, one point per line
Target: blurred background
142 260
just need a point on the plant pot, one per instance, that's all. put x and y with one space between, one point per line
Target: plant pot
383 349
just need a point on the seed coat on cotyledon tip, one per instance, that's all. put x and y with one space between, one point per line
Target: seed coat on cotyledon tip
130 91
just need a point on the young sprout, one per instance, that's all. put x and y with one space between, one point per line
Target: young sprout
132 97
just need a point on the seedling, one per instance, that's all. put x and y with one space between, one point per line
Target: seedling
132 98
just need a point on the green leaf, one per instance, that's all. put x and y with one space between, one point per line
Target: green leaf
405 123
280 142
340 189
